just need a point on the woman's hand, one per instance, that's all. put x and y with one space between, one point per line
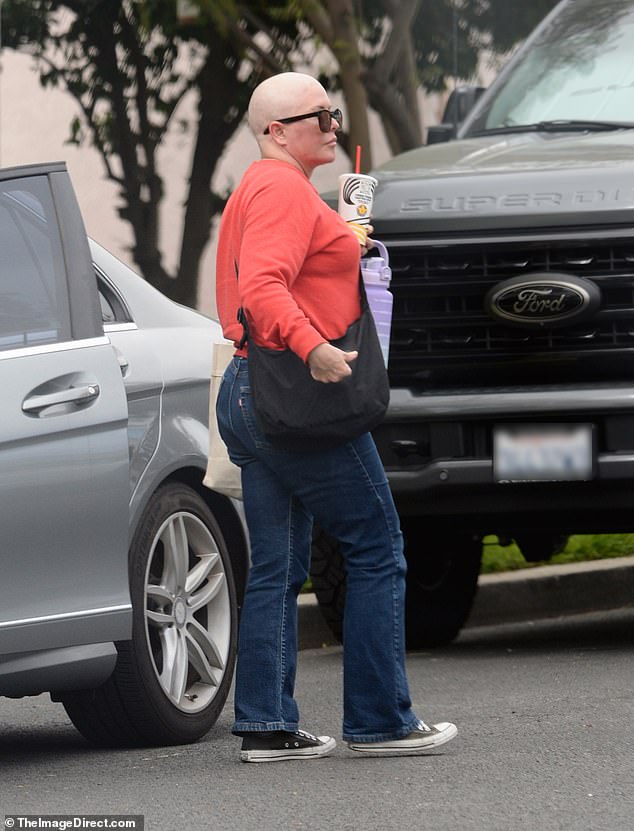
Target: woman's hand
362 233
328 364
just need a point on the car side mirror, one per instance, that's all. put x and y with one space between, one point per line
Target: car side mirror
440 133
459 104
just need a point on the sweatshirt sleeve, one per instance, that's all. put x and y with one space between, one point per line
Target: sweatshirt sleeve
278 223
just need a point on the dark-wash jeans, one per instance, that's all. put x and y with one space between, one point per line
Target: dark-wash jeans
346 490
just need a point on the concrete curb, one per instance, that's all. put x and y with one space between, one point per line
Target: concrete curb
527 594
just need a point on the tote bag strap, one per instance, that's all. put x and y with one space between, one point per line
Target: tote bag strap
242 318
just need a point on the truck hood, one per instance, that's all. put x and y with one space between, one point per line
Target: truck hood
517 181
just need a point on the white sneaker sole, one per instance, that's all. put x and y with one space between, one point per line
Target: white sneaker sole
443 733
289 754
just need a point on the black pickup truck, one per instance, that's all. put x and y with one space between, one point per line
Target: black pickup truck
511 242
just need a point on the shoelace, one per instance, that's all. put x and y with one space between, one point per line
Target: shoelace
306 735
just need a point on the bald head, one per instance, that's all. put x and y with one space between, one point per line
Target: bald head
281 96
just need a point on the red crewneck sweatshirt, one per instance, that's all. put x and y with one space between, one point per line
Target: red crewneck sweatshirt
297 262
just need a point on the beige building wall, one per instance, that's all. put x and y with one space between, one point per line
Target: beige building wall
34 126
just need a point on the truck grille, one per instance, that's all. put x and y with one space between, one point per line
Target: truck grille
441 334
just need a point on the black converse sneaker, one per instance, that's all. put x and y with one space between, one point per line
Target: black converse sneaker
278 745
421 740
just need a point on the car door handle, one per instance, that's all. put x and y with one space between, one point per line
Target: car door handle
124 363
71 395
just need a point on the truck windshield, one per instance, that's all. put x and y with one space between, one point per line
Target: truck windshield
580 69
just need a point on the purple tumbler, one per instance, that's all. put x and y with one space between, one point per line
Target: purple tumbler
377 275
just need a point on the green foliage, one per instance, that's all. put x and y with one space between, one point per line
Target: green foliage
496 25
448 36
129 63
580 548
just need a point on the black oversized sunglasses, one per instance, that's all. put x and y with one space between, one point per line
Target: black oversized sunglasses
324 117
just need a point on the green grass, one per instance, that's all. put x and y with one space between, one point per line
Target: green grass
579 548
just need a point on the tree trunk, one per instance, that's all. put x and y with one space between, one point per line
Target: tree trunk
219 90
141 187
392 81
345 47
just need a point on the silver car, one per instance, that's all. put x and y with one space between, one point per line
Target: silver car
121 573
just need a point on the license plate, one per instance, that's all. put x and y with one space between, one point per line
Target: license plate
543 452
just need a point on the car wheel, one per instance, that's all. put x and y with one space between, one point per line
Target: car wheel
173 677
441 584
442 580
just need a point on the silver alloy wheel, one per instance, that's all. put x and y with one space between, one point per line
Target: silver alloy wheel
187 612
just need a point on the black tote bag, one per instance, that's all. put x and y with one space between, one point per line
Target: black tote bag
297 412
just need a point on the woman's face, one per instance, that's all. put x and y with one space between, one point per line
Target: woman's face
304 139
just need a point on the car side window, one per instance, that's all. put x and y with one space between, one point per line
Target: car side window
113 309
108 314
34 305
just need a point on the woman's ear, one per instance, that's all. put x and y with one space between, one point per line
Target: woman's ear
277 132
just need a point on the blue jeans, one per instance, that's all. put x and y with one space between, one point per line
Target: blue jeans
345 489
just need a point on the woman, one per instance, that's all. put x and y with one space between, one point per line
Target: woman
292 265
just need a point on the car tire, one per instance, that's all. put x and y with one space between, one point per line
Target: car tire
441 585
172 678
442 581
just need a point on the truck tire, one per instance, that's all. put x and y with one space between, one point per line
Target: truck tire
328 576
440 588
442 580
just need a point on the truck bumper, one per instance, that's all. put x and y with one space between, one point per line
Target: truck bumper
438 455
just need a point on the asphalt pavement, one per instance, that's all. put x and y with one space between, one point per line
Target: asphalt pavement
544 713
515 596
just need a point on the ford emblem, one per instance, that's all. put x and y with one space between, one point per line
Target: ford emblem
543 300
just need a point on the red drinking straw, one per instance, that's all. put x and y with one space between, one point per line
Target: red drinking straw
357 164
